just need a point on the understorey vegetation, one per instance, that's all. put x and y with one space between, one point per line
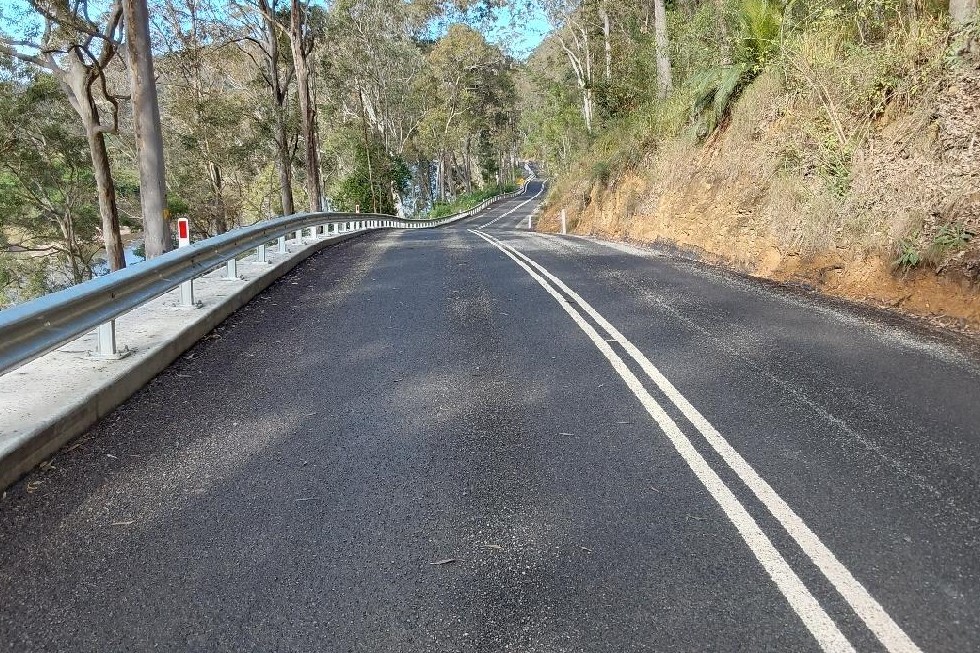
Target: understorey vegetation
836 143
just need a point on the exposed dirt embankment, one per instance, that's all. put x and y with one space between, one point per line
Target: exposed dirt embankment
888 218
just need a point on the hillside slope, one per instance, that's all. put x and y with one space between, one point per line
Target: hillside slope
854 170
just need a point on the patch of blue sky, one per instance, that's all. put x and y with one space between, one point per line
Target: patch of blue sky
517 28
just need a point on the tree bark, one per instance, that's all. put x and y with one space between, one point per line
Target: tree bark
149 135
606 37
285 165
77 82
724 38
106 190
664 81
962 11
307 110
279 95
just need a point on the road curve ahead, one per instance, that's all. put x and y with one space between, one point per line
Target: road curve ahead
480 438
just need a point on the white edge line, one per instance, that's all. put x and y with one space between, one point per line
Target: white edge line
888 632
816 620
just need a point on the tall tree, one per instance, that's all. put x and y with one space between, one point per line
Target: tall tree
49 217
301 41
569 21
77 51
278 74
146 125
665 82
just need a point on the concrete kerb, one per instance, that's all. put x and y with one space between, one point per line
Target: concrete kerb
47 403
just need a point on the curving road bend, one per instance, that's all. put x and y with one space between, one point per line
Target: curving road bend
480 438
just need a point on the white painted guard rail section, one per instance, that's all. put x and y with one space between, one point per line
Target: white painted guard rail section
37 327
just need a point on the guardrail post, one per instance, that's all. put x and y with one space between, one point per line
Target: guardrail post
260 256
282 245
299 236
184 240
105 342
231 269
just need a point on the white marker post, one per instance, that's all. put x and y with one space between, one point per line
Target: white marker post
184 240
564 230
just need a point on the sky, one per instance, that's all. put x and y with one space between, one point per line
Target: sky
518 34
516 31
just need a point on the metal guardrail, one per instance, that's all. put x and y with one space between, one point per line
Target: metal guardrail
35 328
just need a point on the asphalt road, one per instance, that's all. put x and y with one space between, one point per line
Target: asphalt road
479 438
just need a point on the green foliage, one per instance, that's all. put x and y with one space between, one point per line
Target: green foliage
374 180
947 239
908 254
713 90
601 173
760 28
49 218
469 200
952 236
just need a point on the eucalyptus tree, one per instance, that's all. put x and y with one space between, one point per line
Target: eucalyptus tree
570 21
472 83
205 94
146 127
301 41
49 214
76 46
264 38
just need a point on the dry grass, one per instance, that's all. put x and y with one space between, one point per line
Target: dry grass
826 162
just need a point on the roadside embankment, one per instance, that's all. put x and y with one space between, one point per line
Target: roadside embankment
821 175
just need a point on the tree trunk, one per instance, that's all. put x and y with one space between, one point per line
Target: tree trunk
279 94
107 196
76 83
285 165
587 108
724 38
962 11
664 82
306 109
149 135
606 34
220 207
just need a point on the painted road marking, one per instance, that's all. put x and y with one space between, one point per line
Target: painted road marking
504 215
864 605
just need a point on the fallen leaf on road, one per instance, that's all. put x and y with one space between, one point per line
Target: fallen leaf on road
447 561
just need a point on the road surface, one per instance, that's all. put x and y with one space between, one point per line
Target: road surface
479 438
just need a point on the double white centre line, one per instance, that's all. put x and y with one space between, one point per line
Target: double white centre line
814 617
543 184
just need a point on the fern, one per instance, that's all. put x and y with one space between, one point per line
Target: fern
715 89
